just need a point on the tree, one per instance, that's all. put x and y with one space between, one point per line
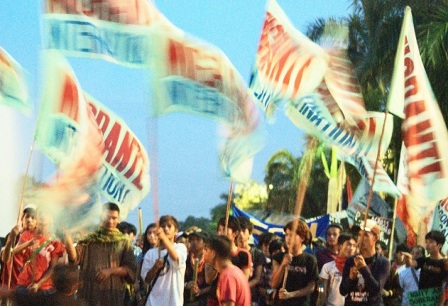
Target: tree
250 195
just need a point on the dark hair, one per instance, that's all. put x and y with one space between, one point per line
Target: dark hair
302 230
246 224
146 245
437 236
220 244
275 245
29 211
402 247
333 225
65 277
169 219
345 236
265 238
382 245
111 207
127 228
233 223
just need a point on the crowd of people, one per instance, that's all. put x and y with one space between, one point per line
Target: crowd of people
163 266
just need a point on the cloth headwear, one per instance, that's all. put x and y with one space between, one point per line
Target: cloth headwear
371 226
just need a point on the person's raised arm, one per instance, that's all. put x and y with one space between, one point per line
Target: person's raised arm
169 245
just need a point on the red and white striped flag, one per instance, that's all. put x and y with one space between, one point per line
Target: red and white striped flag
287 64
423 173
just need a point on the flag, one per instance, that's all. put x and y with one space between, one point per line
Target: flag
340 79
13 91
122 175
424 132
196 77
287 64
115 30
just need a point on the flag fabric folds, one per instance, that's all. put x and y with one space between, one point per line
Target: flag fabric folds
287 64
196 77
13 91
424 132
115 30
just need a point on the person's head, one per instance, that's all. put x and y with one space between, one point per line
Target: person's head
263 241
170 226
332 234
276 246
65 278
233 228
44 221
128 229
369 235
217 248
29 221
381 248
302 235
150 239
417 252
347 244
196 240
246 229
110 216
399 256
434 241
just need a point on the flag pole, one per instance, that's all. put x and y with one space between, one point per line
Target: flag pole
369 199
140 221
229 202
393 229
153 141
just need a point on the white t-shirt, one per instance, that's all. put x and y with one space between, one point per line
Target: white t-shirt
333 278
169 287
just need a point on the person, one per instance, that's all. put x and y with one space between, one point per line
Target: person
196 288
11 248
330 251
409 277
381 248
130 231
40 257
331 273
266 291
258 258
164 267
65 284
298 267
365 274
105 259
392 290
233 286
433 268
149 241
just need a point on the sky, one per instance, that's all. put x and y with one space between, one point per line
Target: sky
189 181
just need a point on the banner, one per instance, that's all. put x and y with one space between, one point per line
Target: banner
424 131
195 77
385 225
424 297
13 91
114 30
287 64
123 177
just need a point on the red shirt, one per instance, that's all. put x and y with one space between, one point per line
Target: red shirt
233 286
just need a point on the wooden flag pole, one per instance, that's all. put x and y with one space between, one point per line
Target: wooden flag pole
229 203
140 221
153 140
369 199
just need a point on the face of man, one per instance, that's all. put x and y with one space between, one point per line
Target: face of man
368 240
169 229
110 220
151 236
244 235
348 248
432 247
230 233
416 253
209 255
29 222
379 249
293 243
196 244
332 236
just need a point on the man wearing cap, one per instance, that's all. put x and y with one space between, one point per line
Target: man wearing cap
365 274
195 284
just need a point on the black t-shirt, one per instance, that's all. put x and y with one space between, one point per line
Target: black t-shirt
301 271
432 273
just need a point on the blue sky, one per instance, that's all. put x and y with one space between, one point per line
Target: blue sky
189 179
